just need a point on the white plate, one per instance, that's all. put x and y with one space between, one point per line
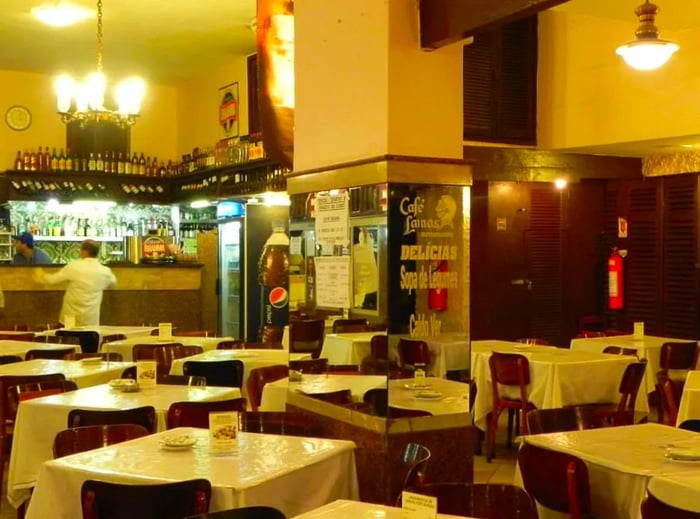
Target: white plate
178 442
91 360
688 455
415 387
121 383
428 395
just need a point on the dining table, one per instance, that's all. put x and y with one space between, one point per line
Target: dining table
290 473
104 330
689 407
621 461
83 373
20 348
348 509
347 348
558 377
681 490
125 346
39 419
448 352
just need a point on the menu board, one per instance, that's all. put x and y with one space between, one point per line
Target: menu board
333 281
332 219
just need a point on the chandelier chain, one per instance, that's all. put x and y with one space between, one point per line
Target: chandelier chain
99 36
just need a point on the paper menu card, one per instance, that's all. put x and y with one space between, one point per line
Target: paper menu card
638 332
146 373
223 431
165 330
418 506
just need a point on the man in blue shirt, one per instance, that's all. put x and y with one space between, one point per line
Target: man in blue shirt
27 253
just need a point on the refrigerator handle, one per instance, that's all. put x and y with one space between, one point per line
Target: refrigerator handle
217 288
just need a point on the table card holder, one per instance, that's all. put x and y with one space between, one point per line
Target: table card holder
638 333
418 506
69 321
223 432
165 330
146 373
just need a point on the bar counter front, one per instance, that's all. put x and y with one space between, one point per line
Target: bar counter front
145 293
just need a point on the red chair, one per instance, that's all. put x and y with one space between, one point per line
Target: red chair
561 419
147 351
379 347
619 350
27 337
508 369
411 467
556 480
533 341
590 334
224 373
272 334
306 337
229 345
56 354
111 356
81 439
22 392
653 508
399 412
196 414
144 416
313 366
350 325
412 352
244 512
479 500
340 397
113 337
670 393
103 500
623 412
258 377
275 422
676 356
196 333
165 355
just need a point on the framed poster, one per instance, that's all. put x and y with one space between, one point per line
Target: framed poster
228 111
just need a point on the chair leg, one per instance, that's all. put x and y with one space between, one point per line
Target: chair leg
491 435
660 404
509 435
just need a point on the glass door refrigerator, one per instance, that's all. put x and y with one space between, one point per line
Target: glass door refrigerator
231 272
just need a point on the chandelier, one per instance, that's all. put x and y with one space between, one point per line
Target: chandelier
647 52
83 101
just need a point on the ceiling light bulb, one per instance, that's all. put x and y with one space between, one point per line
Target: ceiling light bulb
61 14
647 52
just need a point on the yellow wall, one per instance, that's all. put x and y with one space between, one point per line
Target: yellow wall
198 108
588 96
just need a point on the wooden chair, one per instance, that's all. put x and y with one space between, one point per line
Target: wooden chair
49 326
479 500
306 337
89 341
313 366
533 341
165 355
560 419
103 500
508 369
378 401
692 424
670 392
588 334
273 422
144 416
340 397
654 508
619 350
676 356
400 412
225 373
10 359
14 328
229 345
111 356
272 334
556 480
350 325
262 346
196 414
412 352
591 323
172 380
113 337
379 347
81 439
196 333
622 412
411 467
29 390
57 354
27 337
343 369
147 351
258 377
245 512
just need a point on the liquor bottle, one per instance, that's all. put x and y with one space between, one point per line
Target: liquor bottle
142 165
54 160
99 164
69 161
19 163
26 161
47 159
107 163
40 160
161 169
91 163
135 164
120 164
33 161
62 160
154 167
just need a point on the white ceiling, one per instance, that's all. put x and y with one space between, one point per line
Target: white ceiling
164 41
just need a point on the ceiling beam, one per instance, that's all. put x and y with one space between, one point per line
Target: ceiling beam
447 21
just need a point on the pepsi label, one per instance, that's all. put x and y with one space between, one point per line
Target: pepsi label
275 302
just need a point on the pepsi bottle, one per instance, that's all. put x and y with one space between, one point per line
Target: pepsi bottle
273 276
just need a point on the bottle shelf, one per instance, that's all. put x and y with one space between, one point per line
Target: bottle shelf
79 238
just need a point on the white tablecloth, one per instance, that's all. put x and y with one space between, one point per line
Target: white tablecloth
347 348
689 407
648 347
84 375
620 462
679 490
39 419
125 347
251 359
558 377
102 330
344 509
20 348
290 473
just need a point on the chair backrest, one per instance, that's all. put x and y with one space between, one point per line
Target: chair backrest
196 414
307 337
148 351
226 373
191 349
258 377
129 372
22 392
196 333
229 345
56 354
113 337
412 352
144 416
412 464
400 412
313 366
111 356
556 480
619 350
81 439
509 369
587 334
8 410
14 327
262 345
654 508
345 369
479 500
533 340
629 386
679 355
692 424
671 392
10 359
278 422
172 380
27 337
378 400
103 500
245 512
89 341
272 333
49 326
372 366
350 325
560 419
340 397
164 356
379 347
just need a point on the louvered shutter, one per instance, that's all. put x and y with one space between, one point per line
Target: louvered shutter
479 88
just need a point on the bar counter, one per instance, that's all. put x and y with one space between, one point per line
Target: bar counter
145 293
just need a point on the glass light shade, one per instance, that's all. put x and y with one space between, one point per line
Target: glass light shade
96 90
82 97
129 94
64 92
647 54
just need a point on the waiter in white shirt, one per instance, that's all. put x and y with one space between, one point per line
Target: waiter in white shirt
87 278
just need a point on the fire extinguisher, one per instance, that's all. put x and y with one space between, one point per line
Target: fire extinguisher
616 298
437 297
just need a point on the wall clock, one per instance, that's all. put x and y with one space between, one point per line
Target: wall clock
18 118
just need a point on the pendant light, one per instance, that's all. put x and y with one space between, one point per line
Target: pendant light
647 52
